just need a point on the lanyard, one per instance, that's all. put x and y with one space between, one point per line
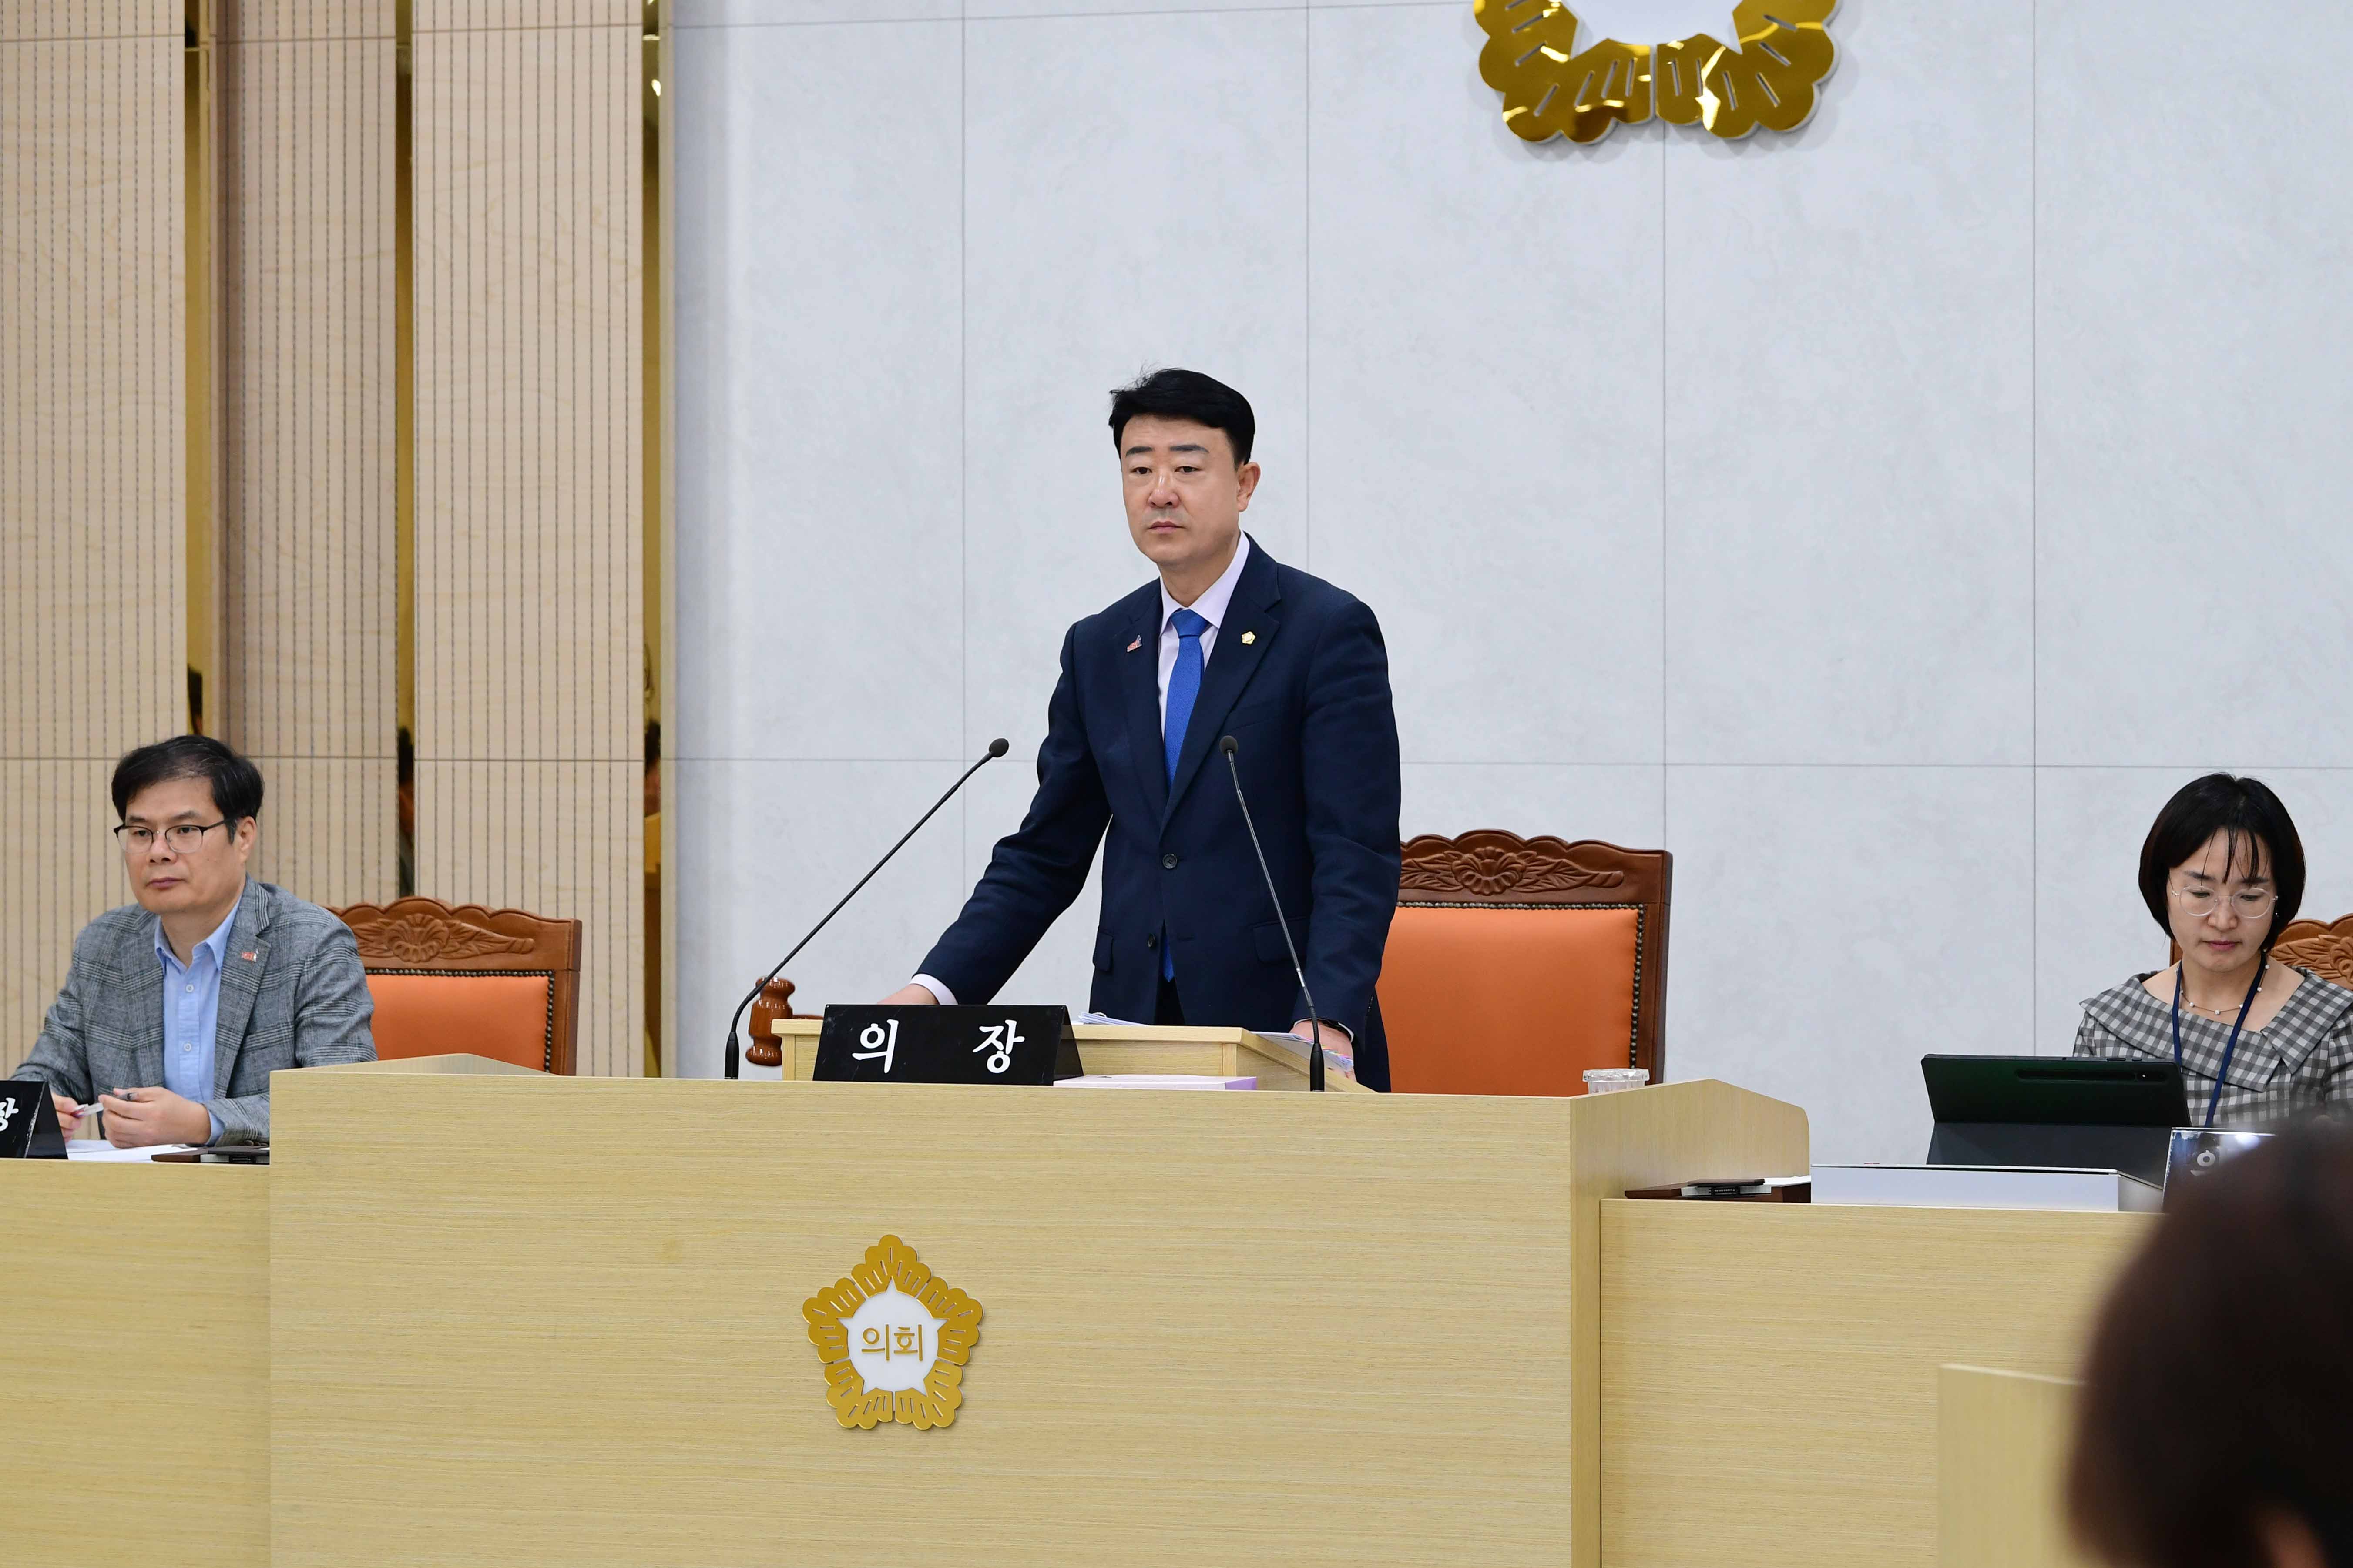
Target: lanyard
2215 1100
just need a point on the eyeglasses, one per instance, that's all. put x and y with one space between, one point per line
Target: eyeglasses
2247 903
181 837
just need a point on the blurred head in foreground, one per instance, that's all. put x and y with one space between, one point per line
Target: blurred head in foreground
2216 1426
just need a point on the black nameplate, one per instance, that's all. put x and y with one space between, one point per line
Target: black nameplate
946 1045
28 1122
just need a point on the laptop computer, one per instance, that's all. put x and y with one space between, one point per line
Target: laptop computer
2079 1112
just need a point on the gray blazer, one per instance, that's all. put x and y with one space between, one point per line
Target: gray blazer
301 1001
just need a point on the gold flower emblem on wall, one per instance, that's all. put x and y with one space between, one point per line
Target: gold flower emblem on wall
1551 88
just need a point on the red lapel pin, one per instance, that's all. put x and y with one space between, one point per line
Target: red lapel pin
1136 643
248 957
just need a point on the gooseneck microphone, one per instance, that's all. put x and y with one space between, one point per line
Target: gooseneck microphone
1314 1014
996 748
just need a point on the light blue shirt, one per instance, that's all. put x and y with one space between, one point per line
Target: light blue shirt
192 1014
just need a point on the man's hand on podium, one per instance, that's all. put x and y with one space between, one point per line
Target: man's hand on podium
911 996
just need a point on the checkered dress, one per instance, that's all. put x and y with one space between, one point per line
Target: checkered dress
2301 1061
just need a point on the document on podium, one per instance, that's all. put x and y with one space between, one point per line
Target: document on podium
1156 1080
99 1152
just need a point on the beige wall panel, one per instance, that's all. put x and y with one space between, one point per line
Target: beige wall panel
90 19
1770 1371
478 15
560 839
251 21
60 810
329 829
529 523
93 648
93 584
529 534
307 532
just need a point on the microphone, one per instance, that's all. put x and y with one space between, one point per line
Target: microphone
996 748
1315 1015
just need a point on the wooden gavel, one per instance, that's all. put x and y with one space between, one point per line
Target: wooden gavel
775 1001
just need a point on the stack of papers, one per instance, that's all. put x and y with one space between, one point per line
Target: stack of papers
99 1150
1154 1081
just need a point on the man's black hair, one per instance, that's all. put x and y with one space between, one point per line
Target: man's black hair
2259 827
1185 394
236 782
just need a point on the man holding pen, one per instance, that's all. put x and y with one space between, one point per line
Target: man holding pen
178 1008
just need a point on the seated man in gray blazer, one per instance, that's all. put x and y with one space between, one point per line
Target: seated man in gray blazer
178 1007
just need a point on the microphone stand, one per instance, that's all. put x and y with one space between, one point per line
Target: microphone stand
1229 746
996 748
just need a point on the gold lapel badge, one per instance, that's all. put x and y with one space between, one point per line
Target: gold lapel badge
893 1339
1248 637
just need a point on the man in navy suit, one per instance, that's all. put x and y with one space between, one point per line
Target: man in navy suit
1228 642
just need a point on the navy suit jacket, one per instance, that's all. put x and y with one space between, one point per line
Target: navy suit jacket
1299 677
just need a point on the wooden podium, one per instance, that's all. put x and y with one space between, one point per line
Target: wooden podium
560 1319
1278 1062
134 1356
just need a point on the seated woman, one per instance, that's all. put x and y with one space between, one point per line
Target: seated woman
2257 1041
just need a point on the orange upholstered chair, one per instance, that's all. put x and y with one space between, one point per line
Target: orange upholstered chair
489 982
1514 964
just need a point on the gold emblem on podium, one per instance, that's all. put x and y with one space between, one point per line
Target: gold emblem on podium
1552 87
893 1338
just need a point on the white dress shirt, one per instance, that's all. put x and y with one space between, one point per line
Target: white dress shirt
1211 607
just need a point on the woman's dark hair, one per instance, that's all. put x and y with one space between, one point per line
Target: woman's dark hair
2252 815
1185 394
2220 1373
237 784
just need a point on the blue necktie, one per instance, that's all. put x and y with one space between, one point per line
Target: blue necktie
1184 685
1184 688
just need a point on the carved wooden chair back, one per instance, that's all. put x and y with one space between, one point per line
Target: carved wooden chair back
1514 964
2324 947
492 983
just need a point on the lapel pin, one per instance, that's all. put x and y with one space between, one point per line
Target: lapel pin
1248 637
248 957
1139 643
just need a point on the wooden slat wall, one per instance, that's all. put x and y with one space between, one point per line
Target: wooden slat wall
308 684
93 581
530 557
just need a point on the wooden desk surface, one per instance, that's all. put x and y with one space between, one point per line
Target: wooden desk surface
1770 1371
134 1350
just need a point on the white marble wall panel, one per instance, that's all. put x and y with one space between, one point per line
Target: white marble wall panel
1485 377
1833 925
2196 586
789 13
1849 363
1621 804
979 9
1134 197
768 848
821 472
